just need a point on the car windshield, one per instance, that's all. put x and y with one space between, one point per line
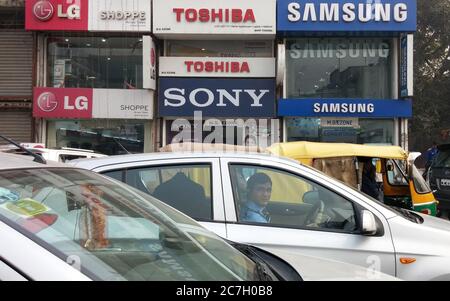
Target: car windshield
442 159
110 232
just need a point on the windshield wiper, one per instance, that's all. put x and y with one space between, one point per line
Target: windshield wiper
37 157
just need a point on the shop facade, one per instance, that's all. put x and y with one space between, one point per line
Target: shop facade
16 73
96 74
217 71
348 70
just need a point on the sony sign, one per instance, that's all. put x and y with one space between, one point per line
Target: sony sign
244 97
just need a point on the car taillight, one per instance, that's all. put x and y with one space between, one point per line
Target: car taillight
38 222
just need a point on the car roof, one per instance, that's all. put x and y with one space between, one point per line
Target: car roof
13 161
129 158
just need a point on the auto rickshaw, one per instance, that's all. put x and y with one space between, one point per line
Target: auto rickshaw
400 181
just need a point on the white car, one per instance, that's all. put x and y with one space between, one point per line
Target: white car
63 223
65 153
310 213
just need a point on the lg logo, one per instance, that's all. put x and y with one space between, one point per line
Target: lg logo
47 102
43 10
153 57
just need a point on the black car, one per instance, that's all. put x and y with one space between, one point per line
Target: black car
439 177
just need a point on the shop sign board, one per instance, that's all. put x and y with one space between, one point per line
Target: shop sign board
339 122
85 103
88 15
361 108
406 65
217 97
149 58
214 18
216 67
346 16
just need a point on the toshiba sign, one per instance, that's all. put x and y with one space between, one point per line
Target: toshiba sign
216 67
88 15
216 18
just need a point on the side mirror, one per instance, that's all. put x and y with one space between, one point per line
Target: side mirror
368 223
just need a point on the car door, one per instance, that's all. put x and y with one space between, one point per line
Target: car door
305 215
190 185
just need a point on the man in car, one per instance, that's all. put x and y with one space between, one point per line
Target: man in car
259 191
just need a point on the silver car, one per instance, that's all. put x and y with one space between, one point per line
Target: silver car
304 211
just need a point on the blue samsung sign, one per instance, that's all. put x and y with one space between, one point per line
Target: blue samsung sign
368 16
362 108
217 97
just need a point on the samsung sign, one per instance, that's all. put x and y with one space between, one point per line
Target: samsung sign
369 108
345 15
217 97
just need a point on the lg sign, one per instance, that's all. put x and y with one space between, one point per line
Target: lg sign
43 10
53 102
47 102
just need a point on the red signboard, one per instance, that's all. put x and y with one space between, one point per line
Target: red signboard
62 103
56 15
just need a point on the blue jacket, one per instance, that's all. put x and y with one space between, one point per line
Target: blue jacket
253 212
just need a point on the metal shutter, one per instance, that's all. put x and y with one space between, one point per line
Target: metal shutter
16 125
16 63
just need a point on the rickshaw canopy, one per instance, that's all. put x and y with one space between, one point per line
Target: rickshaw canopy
304 151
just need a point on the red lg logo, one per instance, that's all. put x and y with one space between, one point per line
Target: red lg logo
153 57
43 10
47 102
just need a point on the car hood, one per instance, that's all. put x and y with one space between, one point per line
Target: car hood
321 269
433 235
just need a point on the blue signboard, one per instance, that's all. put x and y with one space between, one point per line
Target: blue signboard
368 108
346 16
217 97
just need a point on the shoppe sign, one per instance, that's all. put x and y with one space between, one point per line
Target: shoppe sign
349 108
346 16
217 97
215 18
86 103
88 15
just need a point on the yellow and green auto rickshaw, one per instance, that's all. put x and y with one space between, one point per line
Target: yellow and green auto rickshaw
402 184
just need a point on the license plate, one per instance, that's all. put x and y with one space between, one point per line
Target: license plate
445 182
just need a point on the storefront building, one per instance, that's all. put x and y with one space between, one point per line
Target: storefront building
217 65
16 73
96 74
348 70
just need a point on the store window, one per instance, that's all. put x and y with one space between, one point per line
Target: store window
339 68
364 131
107 136
94 62
261 132
220 48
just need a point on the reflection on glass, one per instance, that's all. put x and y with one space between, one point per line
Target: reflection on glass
338 67
110 137
94 62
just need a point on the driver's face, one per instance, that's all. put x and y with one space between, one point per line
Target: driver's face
261 193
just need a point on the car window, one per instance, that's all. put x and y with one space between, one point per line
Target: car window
111 231
66 157
396 173
185 187
442 159
274 197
